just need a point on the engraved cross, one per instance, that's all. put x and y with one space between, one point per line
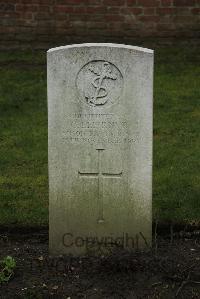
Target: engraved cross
100 175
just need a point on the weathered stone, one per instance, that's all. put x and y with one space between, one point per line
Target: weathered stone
100 146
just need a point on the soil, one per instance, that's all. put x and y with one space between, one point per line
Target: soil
171 269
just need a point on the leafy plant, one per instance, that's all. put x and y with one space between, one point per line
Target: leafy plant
7 266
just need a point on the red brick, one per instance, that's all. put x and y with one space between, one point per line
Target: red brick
77 17
163 27
7 6
79 10
45 23
195 11
148 27
95 32
66 30
184 19
97 25
151 3
113 9
166 2
69 2
95 17
165 11
114 2
152 19
166 19
94 2
78 23
10 1
43 30
183 11
45 8
115 25
136 10
64 9
7 29
114 18
60 17
131 2
43 16
98 9
26 7
131 10
25 29
115 33
49 2
89 19
184 2
149 11
62 23
26 15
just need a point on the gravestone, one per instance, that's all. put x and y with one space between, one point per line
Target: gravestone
100 147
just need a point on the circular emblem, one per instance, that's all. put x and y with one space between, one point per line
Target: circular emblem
99 83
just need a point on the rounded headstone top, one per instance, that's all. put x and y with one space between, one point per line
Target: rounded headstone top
109 45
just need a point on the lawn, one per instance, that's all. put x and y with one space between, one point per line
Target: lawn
23 137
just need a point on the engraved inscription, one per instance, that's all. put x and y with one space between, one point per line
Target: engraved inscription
98 129
99 83
100 175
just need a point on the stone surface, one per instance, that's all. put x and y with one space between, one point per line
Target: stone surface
100 147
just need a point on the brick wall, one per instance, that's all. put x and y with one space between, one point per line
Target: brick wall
45 23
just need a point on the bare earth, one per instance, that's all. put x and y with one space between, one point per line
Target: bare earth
170 271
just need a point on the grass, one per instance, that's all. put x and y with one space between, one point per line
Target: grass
23 137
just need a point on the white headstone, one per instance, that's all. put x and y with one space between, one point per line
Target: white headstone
100 147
